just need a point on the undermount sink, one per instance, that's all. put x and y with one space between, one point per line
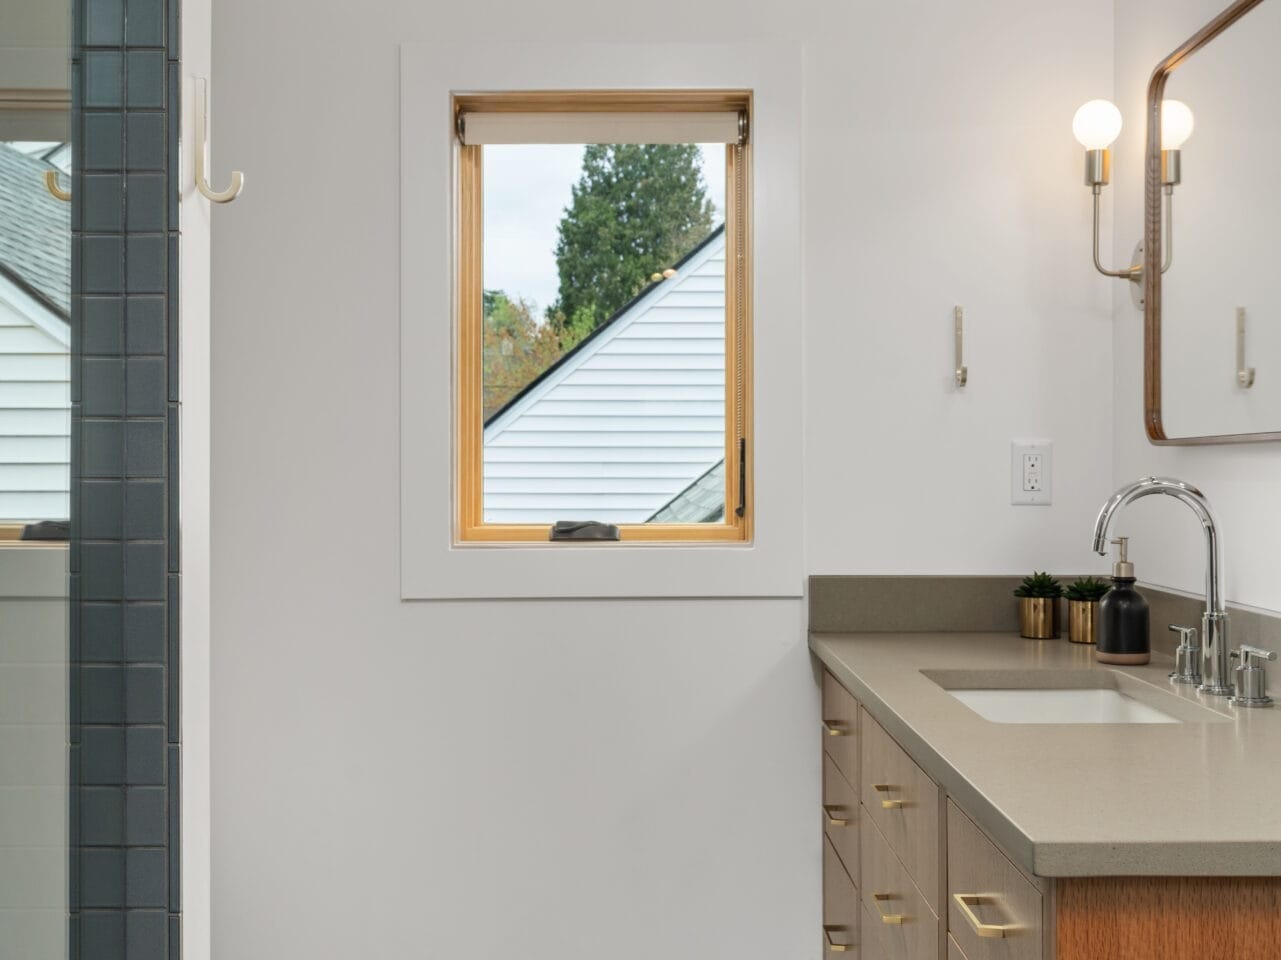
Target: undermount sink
1059 706
1069 696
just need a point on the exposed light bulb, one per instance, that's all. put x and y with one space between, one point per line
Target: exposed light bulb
1176 124
1096 124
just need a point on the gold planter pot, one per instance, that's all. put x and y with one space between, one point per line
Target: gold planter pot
1083 621
1038 618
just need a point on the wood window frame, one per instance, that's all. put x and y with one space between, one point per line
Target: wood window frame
468 447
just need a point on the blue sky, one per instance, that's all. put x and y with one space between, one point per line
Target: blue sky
527 188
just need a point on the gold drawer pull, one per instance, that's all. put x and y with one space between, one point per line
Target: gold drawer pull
834 728
880 898
991 930
833 818
888 804
832 945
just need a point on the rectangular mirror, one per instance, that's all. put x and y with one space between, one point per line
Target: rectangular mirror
1213 314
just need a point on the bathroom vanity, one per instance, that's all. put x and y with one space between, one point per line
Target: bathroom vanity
1055 837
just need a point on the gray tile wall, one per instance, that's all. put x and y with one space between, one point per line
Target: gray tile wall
125 902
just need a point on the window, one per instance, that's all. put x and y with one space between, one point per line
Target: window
603 315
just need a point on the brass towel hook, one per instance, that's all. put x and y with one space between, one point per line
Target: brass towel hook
51 184
962 372
202 148
1245 375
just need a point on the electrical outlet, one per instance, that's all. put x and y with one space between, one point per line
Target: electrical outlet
1031 472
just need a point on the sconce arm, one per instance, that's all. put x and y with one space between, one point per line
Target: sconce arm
1134 274
1169 228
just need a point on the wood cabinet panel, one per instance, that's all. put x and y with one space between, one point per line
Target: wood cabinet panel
840 727
954 952
906 926
996 893
906 805
842 911
841 815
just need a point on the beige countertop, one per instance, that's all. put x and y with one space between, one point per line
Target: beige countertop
1201 797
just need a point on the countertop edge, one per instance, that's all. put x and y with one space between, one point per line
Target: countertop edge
1050 860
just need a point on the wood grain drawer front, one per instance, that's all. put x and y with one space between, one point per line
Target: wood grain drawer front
841 814
870 944
906 926
841 908
954 952
840 727
993 911
906 805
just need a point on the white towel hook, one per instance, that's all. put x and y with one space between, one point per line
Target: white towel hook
202 148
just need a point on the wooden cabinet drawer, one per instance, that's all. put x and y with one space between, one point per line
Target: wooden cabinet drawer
906 926
841 908
994 912
906 805
870 945
953 951
841 814
840 727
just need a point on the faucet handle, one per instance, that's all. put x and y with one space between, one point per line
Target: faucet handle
1248 679
1187 658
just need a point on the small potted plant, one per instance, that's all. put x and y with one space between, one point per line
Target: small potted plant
1083 608
1039 606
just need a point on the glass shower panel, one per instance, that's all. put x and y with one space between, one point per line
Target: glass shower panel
35 469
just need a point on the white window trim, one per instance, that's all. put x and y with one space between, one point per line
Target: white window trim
432 565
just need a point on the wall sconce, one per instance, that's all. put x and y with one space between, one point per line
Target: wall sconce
1096 126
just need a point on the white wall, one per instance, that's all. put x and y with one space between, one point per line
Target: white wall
1241 480
563 780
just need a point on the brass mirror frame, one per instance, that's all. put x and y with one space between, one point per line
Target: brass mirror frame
1152 417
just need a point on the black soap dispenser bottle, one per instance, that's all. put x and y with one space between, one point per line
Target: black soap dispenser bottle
1123 616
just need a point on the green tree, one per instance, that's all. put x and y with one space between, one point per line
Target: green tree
636 210
516 349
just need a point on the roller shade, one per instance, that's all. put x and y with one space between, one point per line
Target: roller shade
478 127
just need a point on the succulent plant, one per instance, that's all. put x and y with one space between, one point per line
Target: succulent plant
1040 585
1087 588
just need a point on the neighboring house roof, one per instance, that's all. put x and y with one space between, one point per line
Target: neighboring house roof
703 501
35 228
628 419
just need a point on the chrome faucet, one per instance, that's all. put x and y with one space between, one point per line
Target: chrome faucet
1215 678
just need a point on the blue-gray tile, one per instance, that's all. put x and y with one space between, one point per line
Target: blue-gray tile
102 571
145 202
102 202
101 326
145 756
145 326
175 921
102 264
175 30
100 632
104 142
145 448
145 264
145 142
146 935
144 571
102 816
102 878
144 625
174 671
102 755
102 694
145 387
104 23
146 23
175 827
144 510
144 695
102 387
102 934
101 510
145 822
146 877
102 445
174 192
172 326
103 78
145 81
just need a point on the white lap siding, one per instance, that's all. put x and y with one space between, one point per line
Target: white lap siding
35 408
626 423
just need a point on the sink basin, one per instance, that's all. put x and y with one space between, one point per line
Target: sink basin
1059 706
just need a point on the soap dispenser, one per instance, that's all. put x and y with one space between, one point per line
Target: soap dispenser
1123 616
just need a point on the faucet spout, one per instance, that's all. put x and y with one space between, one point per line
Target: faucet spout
1215 624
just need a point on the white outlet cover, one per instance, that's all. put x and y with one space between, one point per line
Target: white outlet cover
1020 495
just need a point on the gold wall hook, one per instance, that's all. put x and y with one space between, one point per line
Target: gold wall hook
202 148
51 184
1245 375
